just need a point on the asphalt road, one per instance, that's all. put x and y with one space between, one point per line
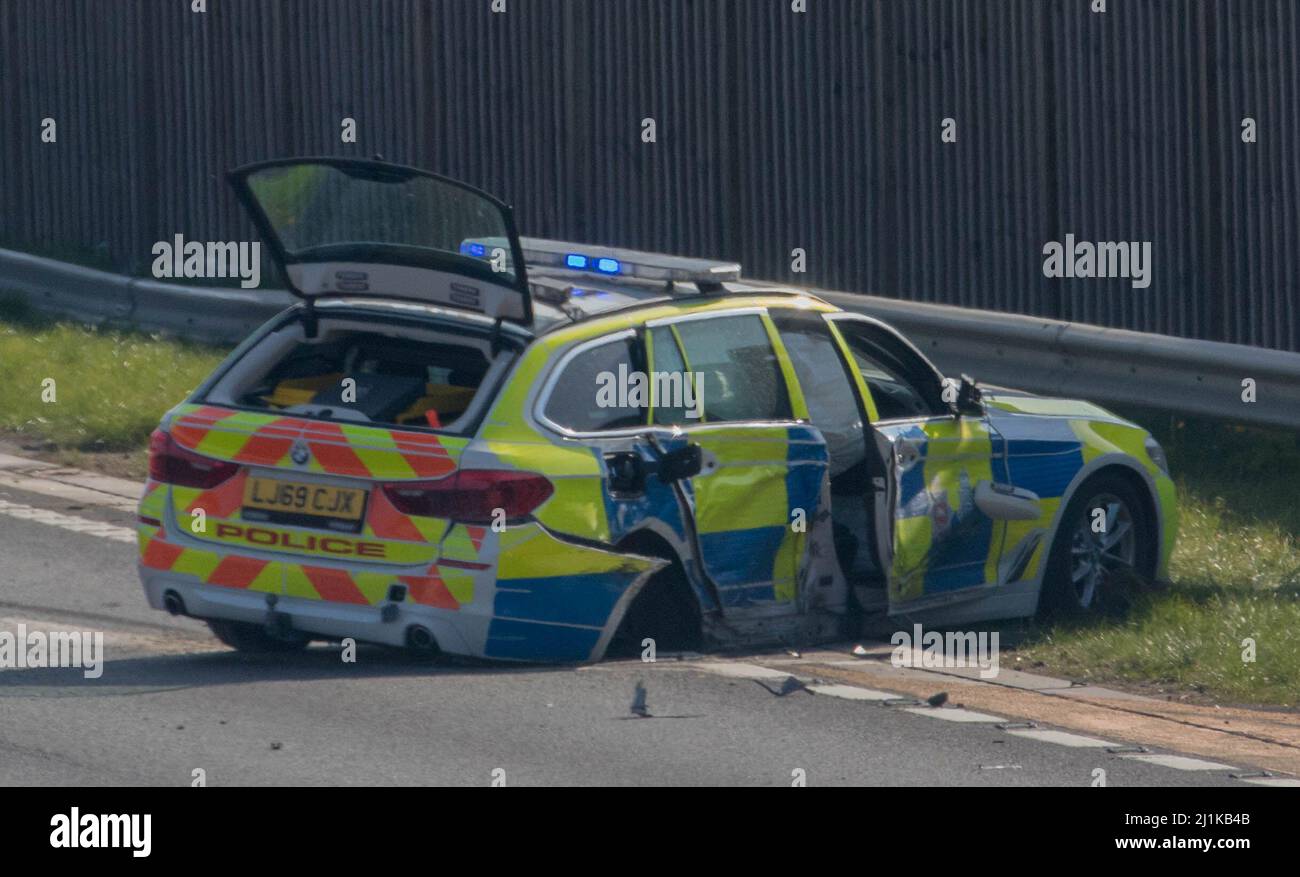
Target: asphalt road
172 700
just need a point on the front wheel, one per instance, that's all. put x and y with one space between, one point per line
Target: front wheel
1103 554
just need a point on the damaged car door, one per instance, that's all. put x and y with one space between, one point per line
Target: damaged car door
945 543
760 487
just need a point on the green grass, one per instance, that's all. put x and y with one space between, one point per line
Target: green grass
110 387
1235 572
1188 639
1223 546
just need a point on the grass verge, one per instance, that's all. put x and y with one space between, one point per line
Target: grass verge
72 391
1235 573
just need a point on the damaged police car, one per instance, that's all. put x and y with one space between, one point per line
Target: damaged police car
522 449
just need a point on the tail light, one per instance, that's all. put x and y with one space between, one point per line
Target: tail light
472 496
172 464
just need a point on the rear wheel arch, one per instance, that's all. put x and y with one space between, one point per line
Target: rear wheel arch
667 609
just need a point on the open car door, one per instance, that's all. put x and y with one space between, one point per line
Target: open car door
338 226
946 493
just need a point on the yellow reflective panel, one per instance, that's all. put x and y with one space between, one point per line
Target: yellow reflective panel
786 568
459 583
741 498
798 405
913 538
873 415
199 564
530 552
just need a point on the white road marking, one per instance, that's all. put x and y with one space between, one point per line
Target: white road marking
1179 762
953 715
1272 781
65 482
740 671
851 692
71 492
960 714
67 522
1061 738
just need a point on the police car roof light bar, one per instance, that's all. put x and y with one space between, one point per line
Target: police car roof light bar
618 262
612 262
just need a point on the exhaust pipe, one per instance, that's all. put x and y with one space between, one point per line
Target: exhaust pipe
420 639
173 603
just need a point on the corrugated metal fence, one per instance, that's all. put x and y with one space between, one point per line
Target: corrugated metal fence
775 130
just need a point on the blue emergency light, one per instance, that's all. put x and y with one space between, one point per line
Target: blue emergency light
540 253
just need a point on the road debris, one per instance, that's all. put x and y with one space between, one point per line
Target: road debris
639 708
788 686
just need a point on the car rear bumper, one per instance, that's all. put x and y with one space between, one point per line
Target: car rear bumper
320 618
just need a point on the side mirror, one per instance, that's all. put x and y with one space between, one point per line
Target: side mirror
682 463
969 398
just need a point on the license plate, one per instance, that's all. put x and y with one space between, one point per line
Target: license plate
311 500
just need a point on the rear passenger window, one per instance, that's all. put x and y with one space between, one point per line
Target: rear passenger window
586 396
742 378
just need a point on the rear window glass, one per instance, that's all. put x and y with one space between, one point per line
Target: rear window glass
591 393
429 380
312 205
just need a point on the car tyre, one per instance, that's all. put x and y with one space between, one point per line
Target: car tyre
256 639
1099 563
